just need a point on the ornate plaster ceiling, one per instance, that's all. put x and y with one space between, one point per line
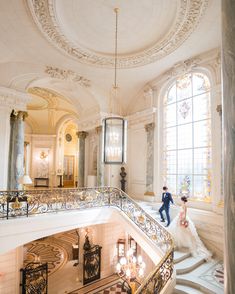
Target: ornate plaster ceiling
85 29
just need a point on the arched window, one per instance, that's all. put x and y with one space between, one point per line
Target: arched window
187 137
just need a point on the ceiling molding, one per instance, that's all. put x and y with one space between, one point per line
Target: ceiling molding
13 98
67 75
52 98
203 60
187 18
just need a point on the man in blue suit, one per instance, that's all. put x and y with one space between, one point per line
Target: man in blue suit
166 199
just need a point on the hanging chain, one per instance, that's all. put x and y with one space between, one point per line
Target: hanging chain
115 58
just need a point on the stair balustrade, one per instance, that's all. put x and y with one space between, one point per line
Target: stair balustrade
14 204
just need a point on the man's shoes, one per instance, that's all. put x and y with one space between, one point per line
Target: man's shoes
167 225
162 220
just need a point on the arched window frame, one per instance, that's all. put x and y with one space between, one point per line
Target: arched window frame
215 96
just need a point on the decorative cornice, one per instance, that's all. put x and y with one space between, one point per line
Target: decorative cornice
209 59
69 75
13 99
187 18
183 67
142 117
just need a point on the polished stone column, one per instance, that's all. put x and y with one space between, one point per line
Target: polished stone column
100 164
81 160
16 150
228 106
150 157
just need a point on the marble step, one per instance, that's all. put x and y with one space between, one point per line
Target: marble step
198 285
182 289
202 278
180 256
189 264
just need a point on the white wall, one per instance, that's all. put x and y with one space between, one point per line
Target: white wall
137 153
46 143
10 265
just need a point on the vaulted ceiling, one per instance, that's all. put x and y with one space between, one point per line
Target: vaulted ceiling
67 46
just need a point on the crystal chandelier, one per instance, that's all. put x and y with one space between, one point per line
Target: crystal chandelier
131 269
114 127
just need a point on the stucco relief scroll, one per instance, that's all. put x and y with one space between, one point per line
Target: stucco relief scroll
186 20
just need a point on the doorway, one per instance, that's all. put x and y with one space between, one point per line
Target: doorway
68 177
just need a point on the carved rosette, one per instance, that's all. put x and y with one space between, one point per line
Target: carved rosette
187 18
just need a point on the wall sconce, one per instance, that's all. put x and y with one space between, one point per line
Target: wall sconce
121 248
43 155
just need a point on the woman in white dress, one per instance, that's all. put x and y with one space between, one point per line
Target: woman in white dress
185 234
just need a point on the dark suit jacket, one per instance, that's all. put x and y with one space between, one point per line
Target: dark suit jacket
167 199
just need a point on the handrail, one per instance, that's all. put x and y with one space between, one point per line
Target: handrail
33 202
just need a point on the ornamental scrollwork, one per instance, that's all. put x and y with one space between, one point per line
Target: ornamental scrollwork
69 75
187 18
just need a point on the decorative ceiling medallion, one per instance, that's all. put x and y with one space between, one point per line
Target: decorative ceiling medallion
68 75
187 18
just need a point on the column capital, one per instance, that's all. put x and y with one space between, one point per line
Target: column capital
18 115
98 129
26 143
82 135
22 115
149 127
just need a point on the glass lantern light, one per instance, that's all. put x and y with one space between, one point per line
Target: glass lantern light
114 140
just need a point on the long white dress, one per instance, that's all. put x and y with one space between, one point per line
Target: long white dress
186 236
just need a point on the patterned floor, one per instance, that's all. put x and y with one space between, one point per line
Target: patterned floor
42 251
113 289
56 250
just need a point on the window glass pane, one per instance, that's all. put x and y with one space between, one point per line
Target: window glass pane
170 138
202 160
170 162
185 136
170 182
202 133
170 115
171 97
184 111
184 87
184 185
201 83
185 162
202 186
201 107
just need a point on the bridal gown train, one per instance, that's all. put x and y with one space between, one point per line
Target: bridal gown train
187 237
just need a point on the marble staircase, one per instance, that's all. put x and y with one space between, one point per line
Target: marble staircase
194 275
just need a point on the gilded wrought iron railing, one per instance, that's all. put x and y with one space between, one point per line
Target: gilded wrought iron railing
33 202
